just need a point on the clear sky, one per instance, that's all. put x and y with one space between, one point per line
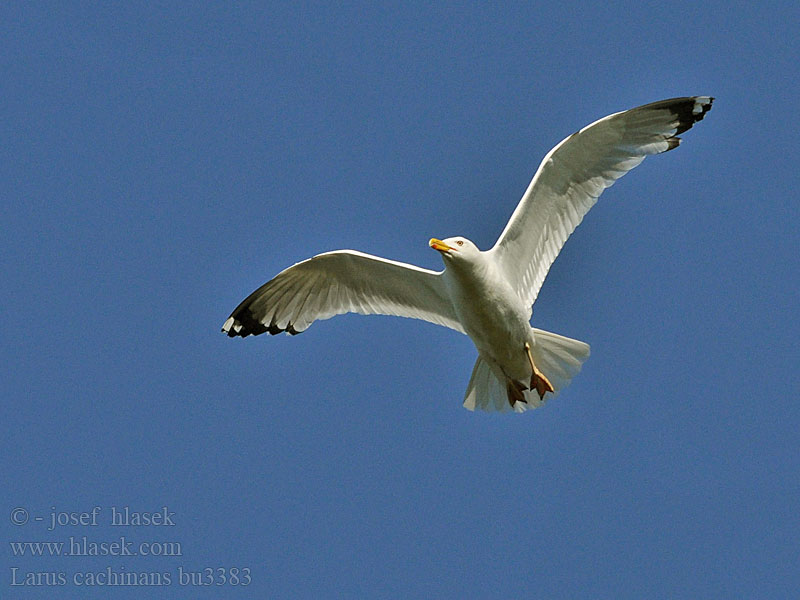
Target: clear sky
159 161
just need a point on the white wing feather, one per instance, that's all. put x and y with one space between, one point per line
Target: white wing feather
574 174
339 282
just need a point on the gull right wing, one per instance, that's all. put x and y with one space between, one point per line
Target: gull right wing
574 174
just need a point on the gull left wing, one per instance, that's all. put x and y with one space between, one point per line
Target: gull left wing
339 282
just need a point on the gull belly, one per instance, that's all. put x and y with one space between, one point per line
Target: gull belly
492 315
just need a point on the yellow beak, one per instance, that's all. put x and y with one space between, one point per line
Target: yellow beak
439 245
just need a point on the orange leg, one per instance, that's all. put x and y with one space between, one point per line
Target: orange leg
538 380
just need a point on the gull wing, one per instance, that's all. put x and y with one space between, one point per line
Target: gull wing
574 174
339 282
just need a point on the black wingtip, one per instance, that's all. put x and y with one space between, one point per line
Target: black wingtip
242 323
690 111
687 112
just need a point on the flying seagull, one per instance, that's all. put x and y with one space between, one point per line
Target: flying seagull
486 294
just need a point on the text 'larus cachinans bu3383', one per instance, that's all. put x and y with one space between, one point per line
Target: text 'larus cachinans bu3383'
489 294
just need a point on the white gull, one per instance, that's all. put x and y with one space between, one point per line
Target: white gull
488 295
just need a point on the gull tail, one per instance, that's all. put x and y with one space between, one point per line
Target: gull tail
558 357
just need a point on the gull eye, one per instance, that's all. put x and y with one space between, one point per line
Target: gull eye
460 243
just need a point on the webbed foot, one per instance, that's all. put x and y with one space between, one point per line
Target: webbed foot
539 381
515 391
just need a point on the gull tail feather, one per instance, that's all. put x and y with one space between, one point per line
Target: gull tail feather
559 358
484 390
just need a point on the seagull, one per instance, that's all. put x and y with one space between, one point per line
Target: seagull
486 294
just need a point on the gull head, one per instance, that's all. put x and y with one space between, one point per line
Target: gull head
455 249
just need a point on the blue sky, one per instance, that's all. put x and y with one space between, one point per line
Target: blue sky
161 161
